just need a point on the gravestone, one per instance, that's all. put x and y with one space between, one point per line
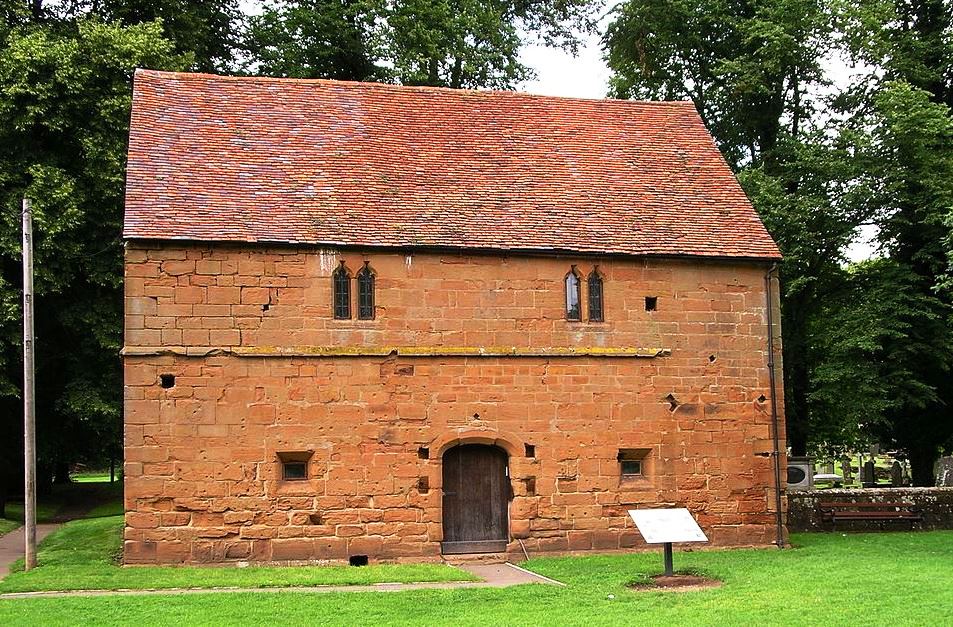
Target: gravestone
867 477
944 472
896 475
847 471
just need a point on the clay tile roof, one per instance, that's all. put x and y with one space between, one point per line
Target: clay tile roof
358 164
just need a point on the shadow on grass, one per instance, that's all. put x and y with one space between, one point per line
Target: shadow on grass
71 501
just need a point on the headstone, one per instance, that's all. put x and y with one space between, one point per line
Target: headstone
944 472
896 475
847 470
867 477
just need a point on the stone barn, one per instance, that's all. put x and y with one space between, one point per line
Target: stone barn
409 322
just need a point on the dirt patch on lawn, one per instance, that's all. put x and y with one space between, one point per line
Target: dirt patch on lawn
677 583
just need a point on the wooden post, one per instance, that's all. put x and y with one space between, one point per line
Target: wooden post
29 407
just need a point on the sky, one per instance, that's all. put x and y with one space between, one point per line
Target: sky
558 73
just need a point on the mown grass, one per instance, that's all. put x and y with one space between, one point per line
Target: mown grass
6 526
72 500
890 578
91 477
84 555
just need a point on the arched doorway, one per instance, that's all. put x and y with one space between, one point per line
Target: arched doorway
476 491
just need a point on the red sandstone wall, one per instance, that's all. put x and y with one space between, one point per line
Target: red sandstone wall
202 474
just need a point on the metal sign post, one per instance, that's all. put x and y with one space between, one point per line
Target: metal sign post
29 406
665 526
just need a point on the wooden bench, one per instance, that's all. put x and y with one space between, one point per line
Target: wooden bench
882 512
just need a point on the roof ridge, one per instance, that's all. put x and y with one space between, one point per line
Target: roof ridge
392 86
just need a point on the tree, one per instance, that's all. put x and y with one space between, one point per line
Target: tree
209 30
903 106
750 68
317 39
907 188
879 338
455 43
65 94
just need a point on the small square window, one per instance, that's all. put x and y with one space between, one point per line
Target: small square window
651 303
294 464
294 471
632 462
631 468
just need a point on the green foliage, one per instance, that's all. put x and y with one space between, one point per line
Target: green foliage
453 43
65 92
749 66
902 109
317 39
911 161
910 40
208 30
874 340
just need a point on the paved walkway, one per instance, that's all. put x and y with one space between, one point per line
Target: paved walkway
12 546
493 575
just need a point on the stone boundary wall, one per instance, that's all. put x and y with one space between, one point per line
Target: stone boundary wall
936 505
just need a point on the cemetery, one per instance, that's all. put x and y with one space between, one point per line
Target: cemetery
872 495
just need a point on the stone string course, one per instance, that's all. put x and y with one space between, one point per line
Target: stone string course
202 473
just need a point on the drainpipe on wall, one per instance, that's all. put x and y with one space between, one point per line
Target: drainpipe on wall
775 427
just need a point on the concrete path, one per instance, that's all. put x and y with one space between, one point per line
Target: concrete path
493 575
12 546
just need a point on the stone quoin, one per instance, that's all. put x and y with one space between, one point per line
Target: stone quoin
562 316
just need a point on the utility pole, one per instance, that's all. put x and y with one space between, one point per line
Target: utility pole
29 396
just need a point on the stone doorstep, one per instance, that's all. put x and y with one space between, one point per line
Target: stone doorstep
460 559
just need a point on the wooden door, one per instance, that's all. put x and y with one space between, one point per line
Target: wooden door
476 492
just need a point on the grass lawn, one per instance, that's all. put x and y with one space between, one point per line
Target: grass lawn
84 554
6 526
91 477
888 578
73 500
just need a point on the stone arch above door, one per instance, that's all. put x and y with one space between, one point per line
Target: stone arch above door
509 442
